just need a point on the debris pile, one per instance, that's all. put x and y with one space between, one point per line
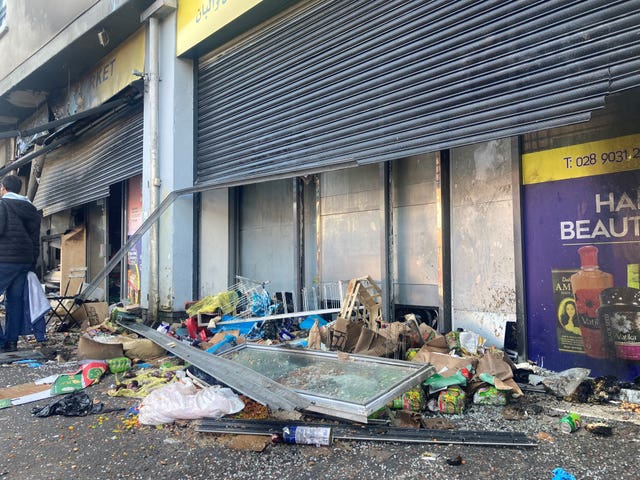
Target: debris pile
243 355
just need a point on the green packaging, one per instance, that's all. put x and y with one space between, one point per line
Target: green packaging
451 400
118 365
489 396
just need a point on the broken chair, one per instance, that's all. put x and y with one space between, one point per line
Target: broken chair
62 304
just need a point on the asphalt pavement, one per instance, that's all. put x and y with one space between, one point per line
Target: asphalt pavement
110 445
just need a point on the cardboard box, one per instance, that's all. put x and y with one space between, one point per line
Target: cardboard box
72 255
90 314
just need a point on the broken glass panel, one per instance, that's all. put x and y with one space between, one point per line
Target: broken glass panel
346 386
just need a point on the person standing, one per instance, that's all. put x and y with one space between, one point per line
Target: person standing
19 252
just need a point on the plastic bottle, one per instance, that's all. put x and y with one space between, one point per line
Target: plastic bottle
619 311
587 284
307 435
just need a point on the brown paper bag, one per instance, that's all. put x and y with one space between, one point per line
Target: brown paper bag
314 340
494 364
445 365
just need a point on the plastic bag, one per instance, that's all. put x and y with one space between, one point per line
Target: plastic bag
565 383
260 304
470 342
183 401
76 404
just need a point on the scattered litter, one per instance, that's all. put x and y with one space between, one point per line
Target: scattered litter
437 382
598 390
46 380
565 383
76 404
534 379
33 397
309 321
455 461
630 407
28 363
181 400
405 419
429 456
307 435
490 396
451 400
628 395
90 372
544 437
601 429
561 474
570 422
412 400
118 365
139 385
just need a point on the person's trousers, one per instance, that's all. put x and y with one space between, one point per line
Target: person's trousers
12 279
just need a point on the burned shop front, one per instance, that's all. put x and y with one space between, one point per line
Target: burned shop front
396 140
90 186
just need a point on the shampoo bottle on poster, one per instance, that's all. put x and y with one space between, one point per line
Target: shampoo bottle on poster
587 284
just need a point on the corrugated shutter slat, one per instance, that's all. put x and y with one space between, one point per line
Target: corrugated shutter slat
83 170
363 81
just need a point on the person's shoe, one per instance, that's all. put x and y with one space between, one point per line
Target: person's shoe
9 347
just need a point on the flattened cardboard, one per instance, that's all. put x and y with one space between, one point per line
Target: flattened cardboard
21 390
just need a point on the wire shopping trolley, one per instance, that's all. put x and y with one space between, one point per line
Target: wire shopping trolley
245 298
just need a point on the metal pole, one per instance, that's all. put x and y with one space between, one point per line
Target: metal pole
385 241
154 178
445 320
298 243
518 238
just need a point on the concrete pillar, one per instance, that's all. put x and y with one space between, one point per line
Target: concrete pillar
175 171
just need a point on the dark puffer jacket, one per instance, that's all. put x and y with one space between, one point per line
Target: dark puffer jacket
19 232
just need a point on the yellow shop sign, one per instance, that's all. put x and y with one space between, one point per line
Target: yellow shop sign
612 155
198 19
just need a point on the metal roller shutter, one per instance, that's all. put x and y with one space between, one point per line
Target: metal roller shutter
84 170
356 81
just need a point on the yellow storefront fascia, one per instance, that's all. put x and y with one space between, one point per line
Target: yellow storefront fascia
612 155
198 19
114 72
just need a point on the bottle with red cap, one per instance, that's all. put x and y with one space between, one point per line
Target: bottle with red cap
587 284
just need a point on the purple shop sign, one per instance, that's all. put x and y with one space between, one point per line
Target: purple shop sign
566 325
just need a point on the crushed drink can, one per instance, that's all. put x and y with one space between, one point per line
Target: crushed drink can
307 435
570 423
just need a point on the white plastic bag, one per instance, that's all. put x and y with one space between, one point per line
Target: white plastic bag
469 342
183 401
565 383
